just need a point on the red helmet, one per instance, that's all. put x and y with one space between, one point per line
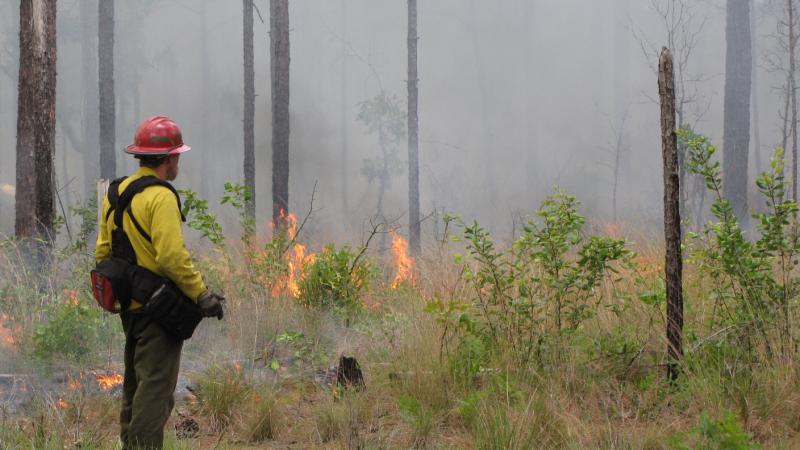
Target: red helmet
158 135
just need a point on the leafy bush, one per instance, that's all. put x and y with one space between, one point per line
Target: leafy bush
539 290
753 281
72 329
239 196
337 277
199 218
716 434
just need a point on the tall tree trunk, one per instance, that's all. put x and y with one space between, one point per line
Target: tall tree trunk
736 139
105 65
754 90
36 120
279 71
673 264
343 116
205 164
531 122
489 150
249 107
792 88
90 144
413 132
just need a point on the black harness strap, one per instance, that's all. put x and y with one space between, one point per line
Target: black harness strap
119 203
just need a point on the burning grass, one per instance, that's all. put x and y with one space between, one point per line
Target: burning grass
262 376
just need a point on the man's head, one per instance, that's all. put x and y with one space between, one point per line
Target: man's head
166 167
158 144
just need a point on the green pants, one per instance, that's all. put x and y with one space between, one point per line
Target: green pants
152 361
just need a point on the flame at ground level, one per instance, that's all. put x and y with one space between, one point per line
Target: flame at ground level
7 334
295 257
404 264
108 381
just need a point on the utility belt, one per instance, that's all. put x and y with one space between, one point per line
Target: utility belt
119 280
116 282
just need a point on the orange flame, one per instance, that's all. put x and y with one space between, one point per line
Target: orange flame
404 264
296 260
7 334
75 382
108 381
62 404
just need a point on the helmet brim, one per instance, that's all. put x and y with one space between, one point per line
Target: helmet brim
146 151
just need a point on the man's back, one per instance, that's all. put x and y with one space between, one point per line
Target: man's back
156 211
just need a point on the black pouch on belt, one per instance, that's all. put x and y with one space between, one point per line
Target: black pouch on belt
173 311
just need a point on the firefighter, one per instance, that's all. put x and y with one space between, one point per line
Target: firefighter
152 224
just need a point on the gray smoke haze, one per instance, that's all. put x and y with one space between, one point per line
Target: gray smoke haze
516 96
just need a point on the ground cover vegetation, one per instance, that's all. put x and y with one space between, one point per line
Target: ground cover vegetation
554 339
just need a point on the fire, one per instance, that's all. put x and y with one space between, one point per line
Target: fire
404 263
72 296
108 381
62 404
7 334
296 260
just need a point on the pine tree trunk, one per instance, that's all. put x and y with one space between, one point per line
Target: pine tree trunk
792 86
36 120
279 70
205 164
531 124
736 139
672 218
105 66
343 115
91 153
249 106
413 132
754 91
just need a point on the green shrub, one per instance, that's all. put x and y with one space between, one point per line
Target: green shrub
754 282
724 433
199 218
72 329
538 291
336 278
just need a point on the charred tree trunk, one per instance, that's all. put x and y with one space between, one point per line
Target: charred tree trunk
36 120
672 218
413 133
736 140
90 145
279 71
105 72
249 107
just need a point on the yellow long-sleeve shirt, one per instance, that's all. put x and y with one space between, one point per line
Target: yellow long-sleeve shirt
156 210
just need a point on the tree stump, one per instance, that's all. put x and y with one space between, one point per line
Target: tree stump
349 375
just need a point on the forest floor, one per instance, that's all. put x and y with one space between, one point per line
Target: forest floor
265 376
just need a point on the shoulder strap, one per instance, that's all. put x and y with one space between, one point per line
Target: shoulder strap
123 203
113 195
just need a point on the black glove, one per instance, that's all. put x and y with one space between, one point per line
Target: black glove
211 304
